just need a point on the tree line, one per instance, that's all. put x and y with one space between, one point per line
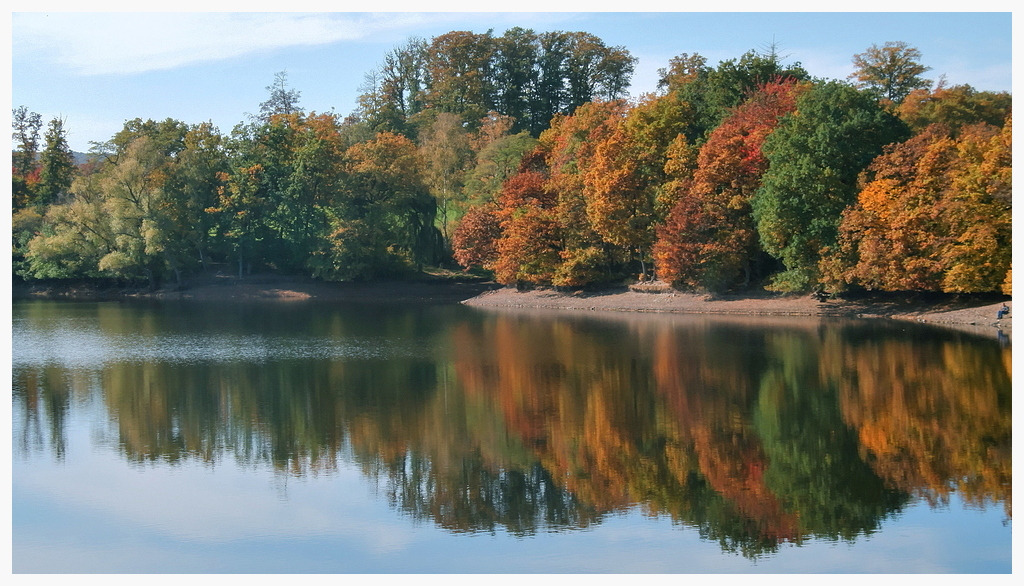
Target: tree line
520 155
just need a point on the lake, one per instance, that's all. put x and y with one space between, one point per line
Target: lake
315 437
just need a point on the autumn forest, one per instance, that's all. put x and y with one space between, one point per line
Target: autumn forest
522 157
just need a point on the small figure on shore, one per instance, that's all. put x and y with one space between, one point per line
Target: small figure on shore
1003 311
820 295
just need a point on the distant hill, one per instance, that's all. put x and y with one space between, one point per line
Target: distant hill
79 158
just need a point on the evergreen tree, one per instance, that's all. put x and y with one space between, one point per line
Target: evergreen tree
58 164
26 127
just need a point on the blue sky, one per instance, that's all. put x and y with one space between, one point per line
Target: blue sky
97 70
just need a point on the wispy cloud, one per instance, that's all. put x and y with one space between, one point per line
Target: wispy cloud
127 43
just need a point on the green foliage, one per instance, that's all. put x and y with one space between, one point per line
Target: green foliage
713 92
24 175
57 165
445 130
383 220
528 76
72 237
708 239
137 216
288 172
495 163
815 156
282 100
815 467
891 71
445 150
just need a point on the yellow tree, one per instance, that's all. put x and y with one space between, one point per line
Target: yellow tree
935 215
978 212
570 146
623 183
889 239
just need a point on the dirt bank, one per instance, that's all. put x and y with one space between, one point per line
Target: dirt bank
969 314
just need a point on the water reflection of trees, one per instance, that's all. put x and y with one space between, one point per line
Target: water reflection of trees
754 436
933 420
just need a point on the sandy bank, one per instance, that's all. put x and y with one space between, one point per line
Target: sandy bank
974 316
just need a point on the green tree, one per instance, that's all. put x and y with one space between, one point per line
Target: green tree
314 185
815 156
459 64
282 100
445 150
72 236
815 468
383 222
892 71
516 74
287 173
135 205
712 93
396 90
595 71
709 239
157 180
57 164
26 127
192 186
242 207
496 160
528 76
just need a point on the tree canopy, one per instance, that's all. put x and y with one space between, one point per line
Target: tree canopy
892 70
522 156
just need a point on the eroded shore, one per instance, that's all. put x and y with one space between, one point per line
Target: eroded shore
964 314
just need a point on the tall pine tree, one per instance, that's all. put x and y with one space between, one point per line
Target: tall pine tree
58 164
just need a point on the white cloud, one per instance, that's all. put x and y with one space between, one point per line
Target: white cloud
126 43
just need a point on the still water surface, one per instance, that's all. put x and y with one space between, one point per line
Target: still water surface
313 437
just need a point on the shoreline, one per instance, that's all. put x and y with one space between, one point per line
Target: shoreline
972 316
977 315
